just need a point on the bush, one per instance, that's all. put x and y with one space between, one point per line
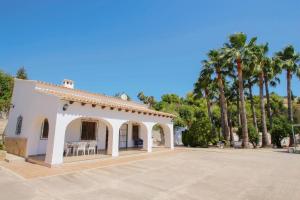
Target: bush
1 146
252 133
253 136
199 134
281 129
185 138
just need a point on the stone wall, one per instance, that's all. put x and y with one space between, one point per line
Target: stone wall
16 146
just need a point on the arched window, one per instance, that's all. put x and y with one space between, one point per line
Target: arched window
19 125
45 129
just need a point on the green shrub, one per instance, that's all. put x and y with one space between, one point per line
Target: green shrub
185 138
1 146
252 133
199 134
281 129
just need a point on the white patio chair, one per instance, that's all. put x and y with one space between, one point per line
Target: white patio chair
67 148
81 146
92 147
74 146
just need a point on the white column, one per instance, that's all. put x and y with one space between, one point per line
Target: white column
56 139
169 136
113 138
130 141
147 133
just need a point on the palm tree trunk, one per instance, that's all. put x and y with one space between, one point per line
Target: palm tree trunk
265 139
222 118
209 112
223 107
268 101
238 109
252 108
289 96
243 108
238 104
230 125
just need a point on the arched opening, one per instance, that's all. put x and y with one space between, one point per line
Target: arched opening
41 127
158 136
45 129
161 136
86 137
132 135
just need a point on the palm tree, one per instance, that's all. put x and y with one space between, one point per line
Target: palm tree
235 90
231 96
218 63
149 100
259 64
251 81
205 87
239 52
271 72
288 59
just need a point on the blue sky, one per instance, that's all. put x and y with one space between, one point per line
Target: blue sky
135 45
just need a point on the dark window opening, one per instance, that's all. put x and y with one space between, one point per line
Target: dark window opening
88 130
19 125
106 139
45 129
135 132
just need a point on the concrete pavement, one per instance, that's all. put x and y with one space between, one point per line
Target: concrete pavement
191 174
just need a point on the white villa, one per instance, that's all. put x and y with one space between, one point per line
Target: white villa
57 120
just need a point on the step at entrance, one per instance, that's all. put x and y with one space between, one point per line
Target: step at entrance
13 158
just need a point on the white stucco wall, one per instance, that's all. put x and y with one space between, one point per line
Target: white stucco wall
35 107
113 119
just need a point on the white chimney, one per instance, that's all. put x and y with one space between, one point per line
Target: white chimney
68 83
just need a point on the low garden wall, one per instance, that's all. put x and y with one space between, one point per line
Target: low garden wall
16 146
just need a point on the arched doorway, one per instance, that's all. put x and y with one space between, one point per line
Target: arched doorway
93 132
158 136
132 135
162 136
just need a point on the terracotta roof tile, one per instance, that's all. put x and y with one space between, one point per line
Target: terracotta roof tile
98 99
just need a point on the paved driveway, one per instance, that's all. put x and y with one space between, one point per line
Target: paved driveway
192 174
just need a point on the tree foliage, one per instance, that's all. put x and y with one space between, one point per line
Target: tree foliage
149 100
199 134
281 129
22 74
187 109
6 87
253 135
